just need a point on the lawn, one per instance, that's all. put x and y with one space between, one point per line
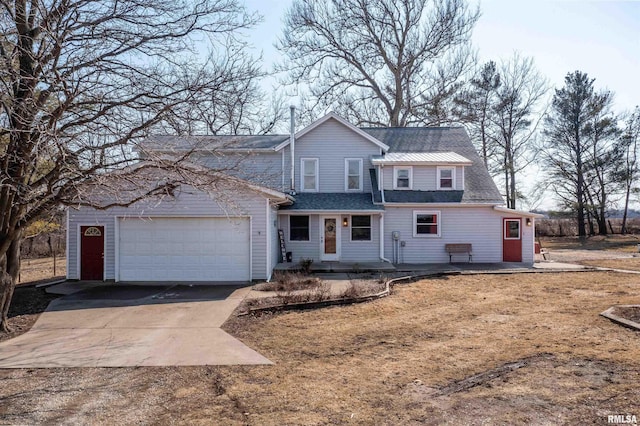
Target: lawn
498 349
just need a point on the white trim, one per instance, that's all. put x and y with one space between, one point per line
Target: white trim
395 177
427 212
346 175
340 120
523 213
251 249
317 174
324 257
268 240
116 249
326 212
283 165
79 248
440 205
351 240
462 178
66 248
504 230
439 169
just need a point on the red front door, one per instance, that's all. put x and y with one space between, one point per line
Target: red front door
512 240
92 253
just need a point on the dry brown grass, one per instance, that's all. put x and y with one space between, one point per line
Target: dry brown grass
32 270
624 243
493 349
630 264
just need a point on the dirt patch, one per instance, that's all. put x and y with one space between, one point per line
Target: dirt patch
632 313
630 264
493 349
27 305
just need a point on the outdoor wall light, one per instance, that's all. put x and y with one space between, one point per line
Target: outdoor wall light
345 221
528 221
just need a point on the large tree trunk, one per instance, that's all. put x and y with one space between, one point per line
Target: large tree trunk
8 278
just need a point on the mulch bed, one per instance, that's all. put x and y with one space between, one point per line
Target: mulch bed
27 304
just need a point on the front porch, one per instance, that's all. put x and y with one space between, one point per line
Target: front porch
421 268
339 267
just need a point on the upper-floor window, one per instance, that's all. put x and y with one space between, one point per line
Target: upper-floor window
309 174
446 178
402 177
353 174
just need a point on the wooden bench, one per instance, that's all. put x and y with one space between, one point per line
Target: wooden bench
458 248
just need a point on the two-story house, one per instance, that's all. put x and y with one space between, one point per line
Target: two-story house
330 192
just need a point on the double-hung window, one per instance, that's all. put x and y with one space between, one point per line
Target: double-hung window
426 223
309 174
353 174
360 228
402 177
446 178
298 228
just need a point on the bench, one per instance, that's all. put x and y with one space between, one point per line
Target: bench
458 248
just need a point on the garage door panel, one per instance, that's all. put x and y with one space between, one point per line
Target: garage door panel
175 249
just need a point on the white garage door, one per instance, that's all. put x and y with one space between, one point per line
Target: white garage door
184 249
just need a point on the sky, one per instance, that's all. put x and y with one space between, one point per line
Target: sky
601 38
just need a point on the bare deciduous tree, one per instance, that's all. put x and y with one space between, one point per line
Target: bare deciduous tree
501 109
232 102
516 120
81 81
380 62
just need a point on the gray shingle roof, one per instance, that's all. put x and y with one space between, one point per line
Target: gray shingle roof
423 196
479 186
207 143
332 201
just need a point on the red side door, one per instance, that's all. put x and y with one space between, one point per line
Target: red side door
512 240
92 253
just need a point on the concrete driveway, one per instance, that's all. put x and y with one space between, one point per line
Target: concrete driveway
133 325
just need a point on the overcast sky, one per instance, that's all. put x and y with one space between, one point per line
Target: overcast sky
601 38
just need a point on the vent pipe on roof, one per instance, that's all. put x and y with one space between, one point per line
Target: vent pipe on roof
292 148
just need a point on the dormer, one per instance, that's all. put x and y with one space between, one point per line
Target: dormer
421 171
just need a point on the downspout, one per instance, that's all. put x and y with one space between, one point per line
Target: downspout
292 148
381 183
381 237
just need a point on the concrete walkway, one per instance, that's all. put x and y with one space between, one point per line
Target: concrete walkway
133 325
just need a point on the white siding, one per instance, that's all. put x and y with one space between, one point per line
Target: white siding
332 142
187 204
273 239
481 226
351 251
